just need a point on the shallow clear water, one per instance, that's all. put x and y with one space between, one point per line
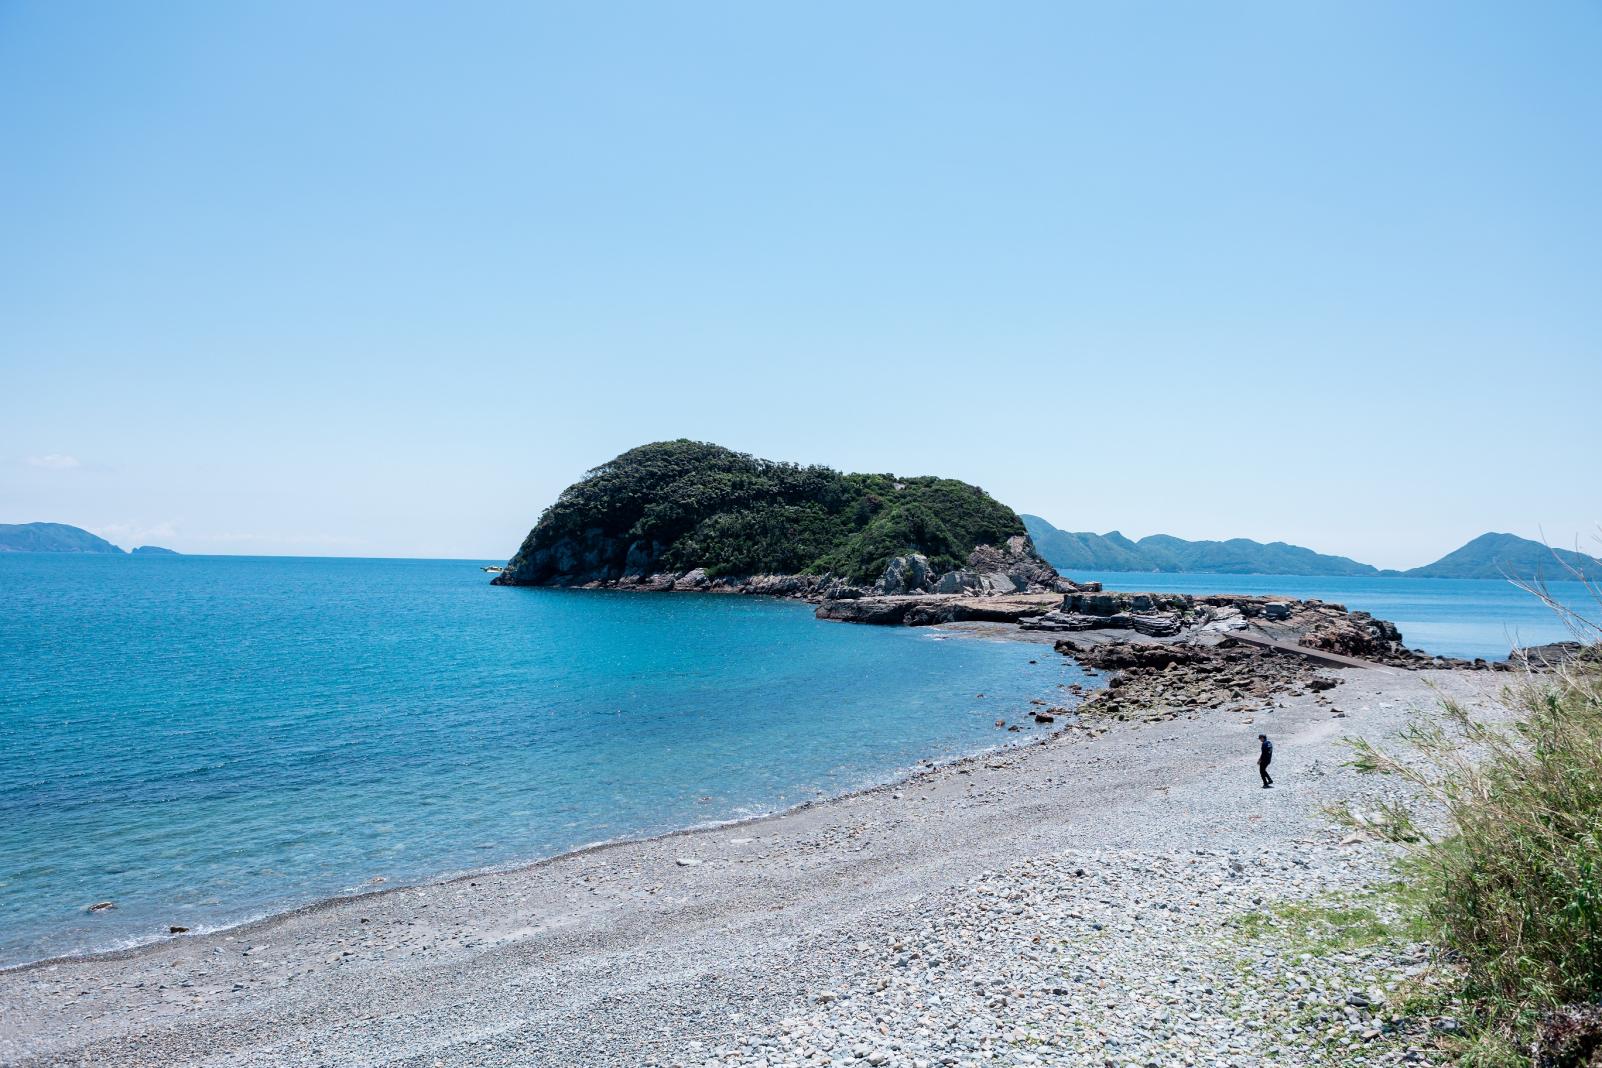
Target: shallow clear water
204 739
1447 617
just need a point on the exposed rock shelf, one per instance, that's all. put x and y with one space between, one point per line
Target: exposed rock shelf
922 610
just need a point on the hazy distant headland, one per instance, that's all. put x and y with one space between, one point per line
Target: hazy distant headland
61 538
1489 556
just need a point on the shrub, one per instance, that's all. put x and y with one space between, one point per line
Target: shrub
1513 889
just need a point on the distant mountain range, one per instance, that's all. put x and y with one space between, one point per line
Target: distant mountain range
61 538
1489 556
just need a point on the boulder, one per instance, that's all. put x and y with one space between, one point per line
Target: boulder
907 574
1158 625
957 582
1000 582
832 589
694 579
1556 654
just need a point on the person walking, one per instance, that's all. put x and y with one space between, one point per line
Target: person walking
1265 758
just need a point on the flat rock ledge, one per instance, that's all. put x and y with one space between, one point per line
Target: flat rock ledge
924 610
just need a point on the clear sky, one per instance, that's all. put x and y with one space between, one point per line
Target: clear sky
380 279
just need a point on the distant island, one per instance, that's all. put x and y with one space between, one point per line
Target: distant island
1494 556
681 514
61 538
1161 552
51 538
1489 556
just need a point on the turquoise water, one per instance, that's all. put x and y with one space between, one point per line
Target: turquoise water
1447 617
206 739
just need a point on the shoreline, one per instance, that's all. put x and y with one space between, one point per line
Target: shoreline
898 777
634 951
903 778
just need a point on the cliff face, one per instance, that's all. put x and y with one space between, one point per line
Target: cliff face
690 515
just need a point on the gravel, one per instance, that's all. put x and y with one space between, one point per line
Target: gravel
1075 902
1109 957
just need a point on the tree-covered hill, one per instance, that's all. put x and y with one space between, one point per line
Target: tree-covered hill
1501 556
679 505
1085 552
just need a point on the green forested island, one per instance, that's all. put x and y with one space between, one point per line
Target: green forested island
674 506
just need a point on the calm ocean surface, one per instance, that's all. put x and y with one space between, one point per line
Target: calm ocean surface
205 739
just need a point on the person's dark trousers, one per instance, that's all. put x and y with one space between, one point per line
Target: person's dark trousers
1262 769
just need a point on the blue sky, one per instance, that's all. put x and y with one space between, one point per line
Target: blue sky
380 279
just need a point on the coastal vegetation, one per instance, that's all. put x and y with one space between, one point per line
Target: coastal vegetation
1513 889
680 505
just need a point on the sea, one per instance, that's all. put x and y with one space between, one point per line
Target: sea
205 740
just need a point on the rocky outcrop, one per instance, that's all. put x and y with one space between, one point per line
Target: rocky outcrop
1556 654
929 609
907 574
1356 634
1312 624
1155 681
1013 568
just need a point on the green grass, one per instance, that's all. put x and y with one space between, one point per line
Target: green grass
1381 914
1513 891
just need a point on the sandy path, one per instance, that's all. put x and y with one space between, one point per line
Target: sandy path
626 955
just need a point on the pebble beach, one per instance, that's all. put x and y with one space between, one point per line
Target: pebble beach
1127 897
